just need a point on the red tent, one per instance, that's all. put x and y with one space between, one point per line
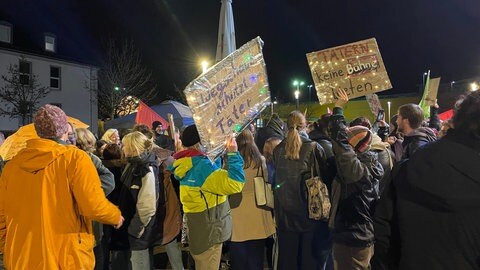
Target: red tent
145 115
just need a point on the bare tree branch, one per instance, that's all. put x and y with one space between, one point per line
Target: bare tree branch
19 99
122 75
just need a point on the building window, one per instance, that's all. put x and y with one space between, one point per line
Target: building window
57 104
55 74
50 43
25 70
5 32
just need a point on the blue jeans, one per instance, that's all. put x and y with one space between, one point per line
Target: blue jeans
174 255
131 259
140 259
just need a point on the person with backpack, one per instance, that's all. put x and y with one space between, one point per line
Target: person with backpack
303 243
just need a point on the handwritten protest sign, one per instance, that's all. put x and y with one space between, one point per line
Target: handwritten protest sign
374 103
227 97
432 91
356 67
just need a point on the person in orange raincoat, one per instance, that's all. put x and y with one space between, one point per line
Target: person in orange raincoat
49 195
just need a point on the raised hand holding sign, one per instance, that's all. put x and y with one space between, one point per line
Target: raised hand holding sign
228 96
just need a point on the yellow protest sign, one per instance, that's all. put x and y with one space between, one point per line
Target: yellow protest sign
228 96
356 67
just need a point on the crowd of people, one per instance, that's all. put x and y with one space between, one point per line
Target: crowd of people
403 195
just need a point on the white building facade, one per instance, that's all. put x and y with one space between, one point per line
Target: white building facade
72 85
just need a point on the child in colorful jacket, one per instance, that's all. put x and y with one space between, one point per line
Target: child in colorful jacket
204 187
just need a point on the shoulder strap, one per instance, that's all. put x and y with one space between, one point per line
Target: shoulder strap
315 162
260 169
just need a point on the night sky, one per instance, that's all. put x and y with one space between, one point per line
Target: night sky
172 35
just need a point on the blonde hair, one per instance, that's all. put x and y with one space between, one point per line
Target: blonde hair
136 143
106 136
269 146
295 122
86 140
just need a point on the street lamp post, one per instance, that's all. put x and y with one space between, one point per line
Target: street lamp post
274 103
389 103
423 80
297 95
297 92
310 92
451 85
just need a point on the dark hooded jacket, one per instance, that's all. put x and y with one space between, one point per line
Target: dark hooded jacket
417 139
142 227
435 202
274 128
326 143
355 189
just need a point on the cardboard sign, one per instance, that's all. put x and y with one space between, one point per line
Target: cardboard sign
432 91
374 103
356 67
227 97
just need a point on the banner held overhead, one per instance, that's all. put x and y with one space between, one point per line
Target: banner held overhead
356 67
228 96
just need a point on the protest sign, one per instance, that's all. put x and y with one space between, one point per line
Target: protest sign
228 96
357 68
432 91
374 103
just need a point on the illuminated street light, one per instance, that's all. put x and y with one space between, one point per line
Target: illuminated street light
274 103
204 64
310 92
297 95
474 86
423 80
297 84
389 103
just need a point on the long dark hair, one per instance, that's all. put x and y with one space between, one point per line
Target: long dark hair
249 150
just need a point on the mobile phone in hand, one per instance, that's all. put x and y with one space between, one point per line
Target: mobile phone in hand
380 115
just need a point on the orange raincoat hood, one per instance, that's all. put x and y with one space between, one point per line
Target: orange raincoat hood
49 194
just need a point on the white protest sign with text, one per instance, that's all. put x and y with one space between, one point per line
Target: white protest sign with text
229 96
357 68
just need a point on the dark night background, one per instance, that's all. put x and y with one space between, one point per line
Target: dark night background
172 35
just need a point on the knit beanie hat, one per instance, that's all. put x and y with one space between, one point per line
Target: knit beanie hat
50 122
360 138
155 124
190 136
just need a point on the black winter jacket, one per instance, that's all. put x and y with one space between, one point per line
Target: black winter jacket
417 139
134 234
326 143
291 210
433 209
355 189
274 128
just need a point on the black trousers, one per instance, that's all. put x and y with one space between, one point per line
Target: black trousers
247 255
297 250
